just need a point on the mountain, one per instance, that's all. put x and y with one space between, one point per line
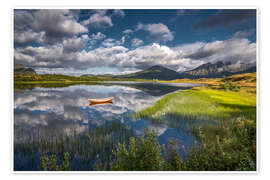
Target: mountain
218 69
94 75
23 70
154 72
208 70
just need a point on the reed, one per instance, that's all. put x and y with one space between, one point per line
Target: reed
84 148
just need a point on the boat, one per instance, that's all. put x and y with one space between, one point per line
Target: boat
105 100
98 104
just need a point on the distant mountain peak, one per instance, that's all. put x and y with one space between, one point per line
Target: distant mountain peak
218 69
154 72
157 67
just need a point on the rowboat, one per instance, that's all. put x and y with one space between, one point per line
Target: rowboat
105 100
98 104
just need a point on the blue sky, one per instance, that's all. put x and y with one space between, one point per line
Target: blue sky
121 41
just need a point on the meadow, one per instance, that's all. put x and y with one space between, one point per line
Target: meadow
20 78
229 143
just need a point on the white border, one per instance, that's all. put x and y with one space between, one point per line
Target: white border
137 172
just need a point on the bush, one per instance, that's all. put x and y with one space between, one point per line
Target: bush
143 154
228 85
49 163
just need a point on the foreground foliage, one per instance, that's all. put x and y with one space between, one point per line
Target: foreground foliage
49 163
146 154
229 143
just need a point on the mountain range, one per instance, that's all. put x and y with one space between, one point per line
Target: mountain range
218 69
208 70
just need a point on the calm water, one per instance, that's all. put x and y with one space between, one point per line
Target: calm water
44 115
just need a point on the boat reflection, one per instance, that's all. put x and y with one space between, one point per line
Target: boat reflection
99 103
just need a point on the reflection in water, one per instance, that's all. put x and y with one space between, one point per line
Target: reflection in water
99 103
57 119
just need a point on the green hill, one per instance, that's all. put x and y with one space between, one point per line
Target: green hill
18 68
154 72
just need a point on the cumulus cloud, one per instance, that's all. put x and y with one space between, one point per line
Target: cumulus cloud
27 37
99 19
118 12
243 34
158 32
113 54
128 31
52 23
136 42
231 50
98 36
22 19
110 42
74 44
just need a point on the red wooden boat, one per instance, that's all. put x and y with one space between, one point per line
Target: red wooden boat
105 100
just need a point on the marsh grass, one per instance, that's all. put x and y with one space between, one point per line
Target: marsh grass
227 144
203 104
84 148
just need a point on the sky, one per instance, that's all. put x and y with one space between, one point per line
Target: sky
114 41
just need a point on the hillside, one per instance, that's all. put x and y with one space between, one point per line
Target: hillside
154 72
218 69
23 70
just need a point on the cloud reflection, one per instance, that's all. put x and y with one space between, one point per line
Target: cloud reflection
65 111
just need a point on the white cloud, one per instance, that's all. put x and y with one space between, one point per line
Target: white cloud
136 42
75 43
57 23
123 40
243 34
99 20
53 24
158 32
128 31
22 19
119 12
113 54
110 42
28 36
98 36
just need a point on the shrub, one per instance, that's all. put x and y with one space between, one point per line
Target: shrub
228 85
174 161
49 163
143 154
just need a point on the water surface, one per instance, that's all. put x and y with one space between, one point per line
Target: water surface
44 115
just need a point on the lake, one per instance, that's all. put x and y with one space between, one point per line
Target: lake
60 119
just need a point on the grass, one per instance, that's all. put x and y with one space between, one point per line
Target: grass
203 103
228 144
20 78
84 149
246 81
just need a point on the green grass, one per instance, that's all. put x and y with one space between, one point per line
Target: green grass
203 104
229 144
60 78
